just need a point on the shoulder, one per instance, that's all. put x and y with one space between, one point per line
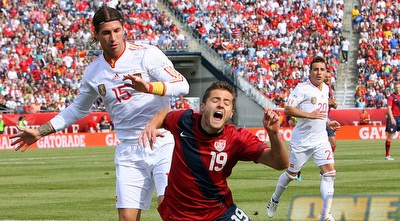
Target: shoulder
301 86
96 64
141 47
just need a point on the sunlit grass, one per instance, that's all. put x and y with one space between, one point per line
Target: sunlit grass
79 183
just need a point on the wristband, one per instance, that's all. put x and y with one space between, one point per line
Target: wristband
157 88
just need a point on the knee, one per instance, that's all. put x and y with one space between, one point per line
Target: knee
331 173
290 175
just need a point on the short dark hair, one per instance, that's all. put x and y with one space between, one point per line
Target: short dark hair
105 14
318 59
220 85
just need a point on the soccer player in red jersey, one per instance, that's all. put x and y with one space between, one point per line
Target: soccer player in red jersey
206 150
393 118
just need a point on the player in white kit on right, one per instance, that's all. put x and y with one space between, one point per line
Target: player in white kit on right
309 103
135 81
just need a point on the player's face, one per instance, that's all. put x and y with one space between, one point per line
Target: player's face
328 79
318 73
397 89
217 111
110 37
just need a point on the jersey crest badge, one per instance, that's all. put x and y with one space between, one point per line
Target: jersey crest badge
313 100
220 145
102 89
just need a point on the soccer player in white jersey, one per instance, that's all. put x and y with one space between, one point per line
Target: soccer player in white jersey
135 82
309 103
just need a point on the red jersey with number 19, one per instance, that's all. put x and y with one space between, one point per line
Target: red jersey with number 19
197 183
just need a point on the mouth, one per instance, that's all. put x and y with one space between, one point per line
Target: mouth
114 46
218 116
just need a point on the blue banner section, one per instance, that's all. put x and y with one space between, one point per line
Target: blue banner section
347 207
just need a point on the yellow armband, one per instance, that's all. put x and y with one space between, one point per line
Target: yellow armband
157 88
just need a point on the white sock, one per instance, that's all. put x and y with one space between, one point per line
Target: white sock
282 185
327 190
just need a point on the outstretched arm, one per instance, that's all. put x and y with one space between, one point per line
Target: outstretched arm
29 136
276 156
150 132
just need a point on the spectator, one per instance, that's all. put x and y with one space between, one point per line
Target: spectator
93 125
2 124
36 106
22 122
345 49
364 117
104 124
360 102
354 15
185 104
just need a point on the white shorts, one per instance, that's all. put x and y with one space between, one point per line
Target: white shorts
322 154
139 170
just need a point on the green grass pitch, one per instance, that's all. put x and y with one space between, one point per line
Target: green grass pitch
79 183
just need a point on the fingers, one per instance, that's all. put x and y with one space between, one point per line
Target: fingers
149 136
15 141
22 146
271 116
144 138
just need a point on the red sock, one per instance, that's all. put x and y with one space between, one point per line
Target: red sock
388 142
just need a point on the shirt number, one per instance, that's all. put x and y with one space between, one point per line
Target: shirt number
239 215
121 94
218 161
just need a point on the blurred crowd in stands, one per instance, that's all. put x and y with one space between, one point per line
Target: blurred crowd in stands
45 45
378 51
270 43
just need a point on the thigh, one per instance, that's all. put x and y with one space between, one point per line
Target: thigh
233 213
298 156
392 128
331 132
134 183
397 119
323 154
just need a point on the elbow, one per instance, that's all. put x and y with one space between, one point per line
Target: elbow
186 88
286 111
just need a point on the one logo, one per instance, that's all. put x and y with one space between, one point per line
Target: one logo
116 76
220 145
313 100
184 135
102 89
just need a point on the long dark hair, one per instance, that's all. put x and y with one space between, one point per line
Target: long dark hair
105 14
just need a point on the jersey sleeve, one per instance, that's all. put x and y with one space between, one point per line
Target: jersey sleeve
295 98
172 118
390 101
162 69
79 109
251 146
